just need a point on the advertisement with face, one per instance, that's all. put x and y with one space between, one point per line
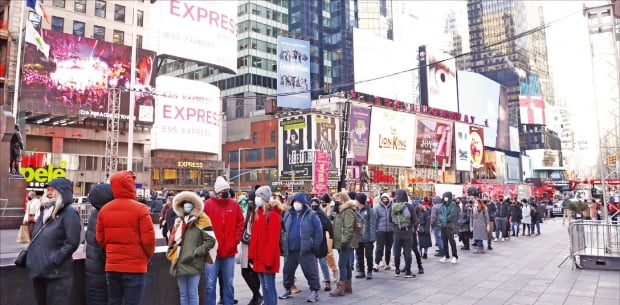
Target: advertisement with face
476 146
433 142
293 73
441 80
391 139
202 31
326 140
187 116
296 153
462 148
74 81
359 125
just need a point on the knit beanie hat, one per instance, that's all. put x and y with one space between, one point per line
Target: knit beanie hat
352 195
325 198
264 192
361 198
220 184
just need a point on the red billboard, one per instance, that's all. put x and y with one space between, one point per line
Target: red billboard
74 81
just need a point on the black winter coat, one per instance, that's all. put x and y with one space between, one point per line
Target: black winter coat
96 287
516 214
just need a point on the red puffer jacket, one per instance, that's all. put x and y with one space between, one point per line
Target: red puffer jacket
125 229
265 241
227 222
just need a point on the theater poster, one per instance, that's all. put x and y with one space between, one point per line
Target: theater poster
359 130
462 148
433 142
326 138
321 177
476 146
296 156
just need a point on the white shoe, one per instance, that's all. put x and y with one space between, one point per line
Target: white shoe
454 260
382 264
494 239
375 268
503 239
443 260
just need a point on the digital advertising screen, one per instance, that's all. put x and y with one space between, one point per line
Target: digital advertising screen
293 73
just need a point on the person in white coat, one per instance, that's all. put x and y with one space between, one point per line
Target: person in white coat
33 209
527 218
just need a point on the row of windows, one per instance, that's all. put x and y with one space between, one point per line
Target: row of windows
79 29
258 27
257 62
252 155
95 163
262 12
255 44
79 6
247 79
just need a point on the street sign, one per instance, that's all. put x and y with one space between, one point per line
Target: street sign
435 164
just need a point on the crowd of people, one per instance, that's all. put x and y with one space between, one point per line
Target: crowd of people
333 238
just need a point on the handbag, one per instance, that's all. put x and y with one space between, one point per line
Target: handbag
23 235
245 238
20 261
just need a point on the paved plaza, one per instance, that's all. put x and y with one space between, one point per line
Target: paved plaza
523 270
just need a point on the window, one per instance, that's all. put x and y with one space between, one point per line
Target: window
80 6
233 156
270 153
78 28
140 18
58 24
252 155
254 137
100 7
58 3
118 37
35 19
98 32
119 13
273 136
253 175
139 41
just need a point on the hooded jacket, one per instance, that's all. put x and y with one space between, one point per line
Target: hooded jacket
382 211
264 248
437 204
125 229
96 286
50 254
448 211
401 196
370 235
344 225
227 220
196 240
305 232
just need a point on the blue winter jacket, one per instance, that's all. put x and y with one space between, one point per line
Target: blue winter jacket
304 228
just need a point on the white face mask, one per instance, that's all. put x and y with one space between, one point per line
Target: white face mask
258 201
297 206
445 199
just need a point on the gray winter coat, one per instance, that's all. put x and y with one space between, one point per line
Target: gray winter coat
371 224
383 217
437 204
480 220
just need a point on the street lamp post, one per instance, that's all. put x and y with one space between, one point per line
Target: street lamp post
239 164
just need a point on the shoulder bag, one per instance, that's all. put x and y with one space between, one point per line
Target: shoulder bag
20 261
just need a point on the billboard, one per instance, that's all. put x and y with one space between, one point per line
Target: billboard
441 80
202 31
296 154
433 142
462 143
532 109
326 138
391 138
476 146
74 81
321 170
359 127
293 73
374 57
487 100
187 116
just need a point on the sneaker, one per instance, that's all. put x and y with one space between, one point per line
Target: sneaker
381 264
503 239
387 267
285 295
294 289
454 260
409 275
444 260
313 297
375 268
397 272
494 239
421 270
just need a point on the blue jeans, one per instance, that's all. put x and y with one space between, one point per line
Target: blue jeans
188 288
324 268
268 282
344 264
227 266
308 267
537 225
516 227
124 287
438 242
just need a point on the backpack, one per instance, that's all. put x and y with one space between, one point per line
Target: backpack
401 216
283 236
359 226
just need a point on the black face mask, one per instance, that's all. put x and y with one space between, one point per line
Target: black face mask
314 207
323 204
29 197
225 195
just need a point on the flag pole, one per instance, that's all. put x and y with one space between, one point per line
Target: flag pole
18 67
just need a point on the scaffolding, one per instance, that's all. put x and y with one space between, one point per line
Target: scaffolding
603 28
112 126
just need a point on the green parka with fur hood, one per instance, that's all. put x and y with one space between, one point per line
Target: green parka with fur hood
344 226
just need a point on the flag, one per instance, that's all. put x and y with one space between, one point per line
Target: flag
33 37
38 8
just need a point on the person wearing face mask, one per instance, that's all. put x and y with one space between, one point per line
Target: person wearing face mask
448 214
49 261
365 244
328 230
305 235
384 229
264 248
249 275
227 220
189 243
331 262
480 225
437 204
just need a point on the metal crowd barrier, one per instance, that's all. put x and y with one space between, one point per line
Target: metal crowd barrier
85 210
595 244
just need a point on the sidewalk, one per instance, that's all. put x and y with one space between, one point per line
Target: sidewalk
523 270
